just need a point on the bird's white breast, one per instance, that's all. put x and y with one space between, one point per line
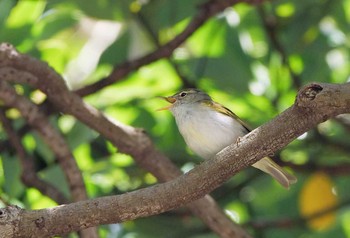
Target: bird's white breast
206 131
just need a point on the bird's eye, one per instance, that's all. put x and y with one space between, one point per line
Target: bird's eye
183 94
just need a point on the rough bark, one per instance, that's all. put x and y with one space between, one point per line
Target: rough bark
314 104
18 68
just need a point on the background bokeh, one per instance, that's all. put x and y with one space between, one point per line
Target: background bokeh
251 58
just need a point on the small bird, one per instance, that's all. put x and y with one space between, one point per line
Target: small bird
208 127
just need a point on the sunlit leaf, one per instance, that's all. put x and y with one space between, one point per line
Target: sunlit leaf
5 9
25 12
37 201
12 172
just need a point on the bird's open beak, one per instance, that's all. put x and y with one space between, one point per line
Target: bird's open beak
168 99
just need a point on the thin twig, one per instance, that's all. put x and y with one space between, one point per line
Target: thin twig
206 11
296 221
270 24
143 21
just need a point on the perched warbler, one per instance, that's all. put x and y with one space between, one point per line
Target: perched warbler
208 127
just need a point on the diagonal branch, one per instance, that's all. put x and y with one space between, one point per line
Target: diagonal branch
270 26
314 104
15 67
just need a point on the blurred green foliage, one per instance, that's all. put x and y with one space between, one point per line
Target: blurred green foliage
250 58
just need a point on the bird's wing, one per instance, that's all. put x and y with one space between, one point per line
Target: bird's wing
224 110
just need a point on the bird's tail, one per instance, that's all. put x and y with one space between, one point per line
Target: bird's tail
268 166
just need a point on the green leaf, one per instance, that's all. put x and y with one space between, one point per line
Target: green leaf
5 10
54 175
12 173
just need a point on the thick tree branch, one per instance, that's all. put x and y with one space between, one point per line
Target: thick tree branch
29 177
314 104
53 139
15 67
206 11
